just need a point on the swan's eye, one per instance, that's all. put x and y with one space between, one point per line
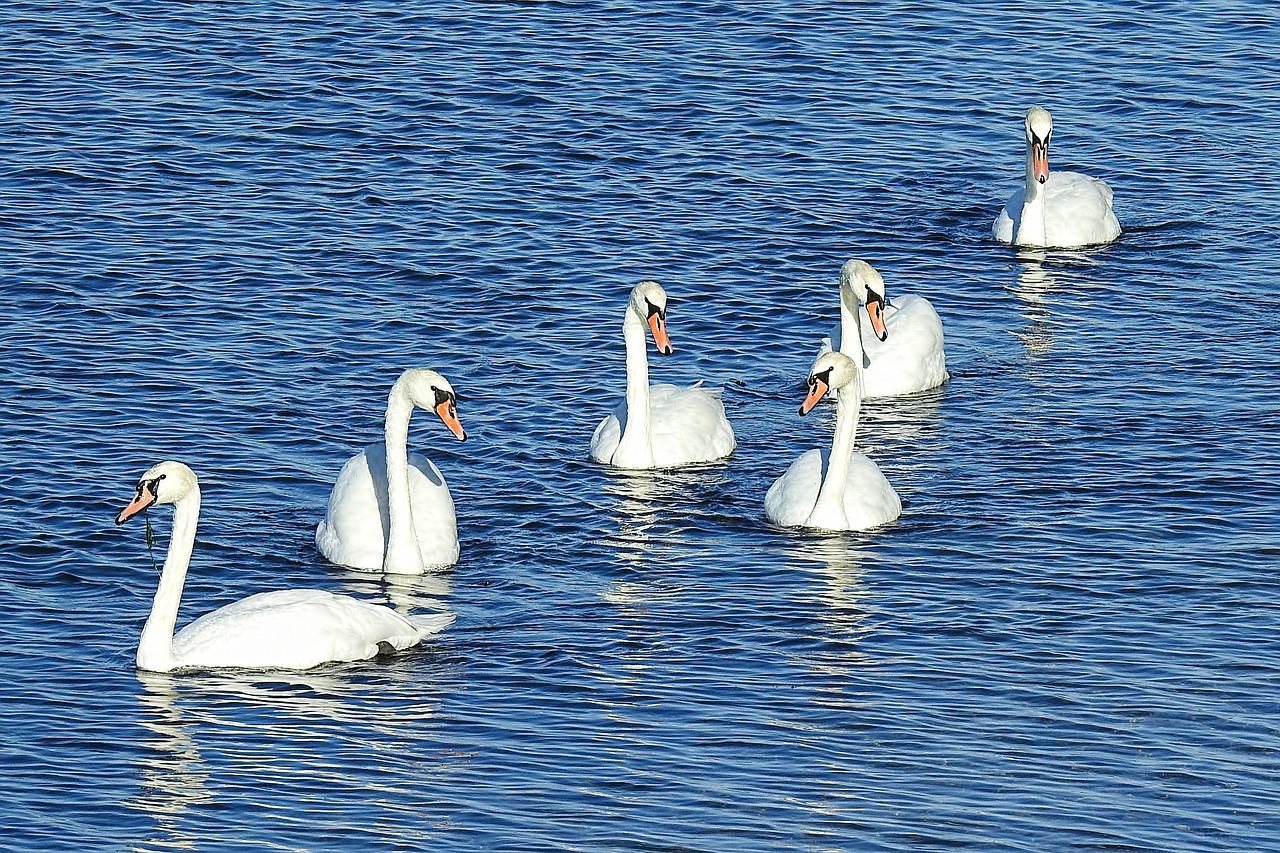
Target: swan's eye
654 309
151 487
443 397
824 377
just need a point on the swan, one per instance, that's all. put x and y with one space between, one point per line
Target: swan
1064 209
659 426
391 509
836 489
898 344
285 629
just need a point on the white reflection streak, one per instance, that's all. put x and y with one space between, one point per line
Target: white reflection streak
835 560
177 777
635 514
306 711
1033 284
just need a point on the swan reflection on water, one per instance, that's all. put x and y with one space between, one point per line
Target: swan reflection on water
216 735
176 777
642 501
1034 283
837 562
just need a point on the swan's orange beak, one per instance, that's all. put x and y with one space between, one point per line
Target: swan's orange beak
1040 161
447 409
143 498
818 388
875 310
658 326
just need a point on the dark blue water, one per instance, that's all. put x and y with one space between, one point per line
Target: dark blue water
227 228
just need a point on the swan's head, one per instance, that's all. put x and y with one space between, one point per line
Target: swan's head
831 370
1039 129
649 302
165 483
429 390
860 283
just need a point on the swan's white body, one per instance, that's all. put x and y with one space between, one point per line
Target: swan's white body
390 509
285 629
911 357
834 489
1060 210
659 426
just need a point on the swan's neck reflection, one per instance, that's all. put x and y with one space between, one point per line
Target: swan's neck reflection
646 534
388 708
1034 283
836 560
176 778
638 495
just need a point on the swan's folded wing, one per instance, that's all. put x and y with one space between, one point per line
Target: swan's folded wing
1006 224
292 629
869 499
791 497
1078 211
913 358
688 425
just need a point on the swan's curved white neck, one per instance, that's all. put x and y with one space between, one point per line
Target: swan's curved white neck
1031 227
851 327
635 447
828 510
155 646
403 555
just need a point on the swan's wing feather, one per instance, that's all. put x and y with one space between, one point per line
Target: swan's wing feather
913 357
1006 224
604 441
356 525
294 629
869 499
1078 210
688 425
791 497
435 519
354 529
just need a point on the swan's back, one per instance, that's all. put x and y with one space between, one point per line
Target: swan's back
297 629
357 521
688 425
869 499
1078 211
913 358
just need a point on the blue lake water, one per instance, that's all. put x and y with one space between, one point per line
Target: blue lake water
226 229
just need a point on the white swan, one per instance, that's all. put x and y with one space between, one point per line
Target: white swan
286 629
659 426
836 489
391 509
898 344
1060 210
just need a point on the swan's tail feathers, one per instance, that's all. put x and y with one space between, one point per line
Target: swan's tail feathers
432 624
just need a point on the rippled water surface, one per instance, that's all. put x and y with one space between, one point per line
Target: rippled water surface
228 227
